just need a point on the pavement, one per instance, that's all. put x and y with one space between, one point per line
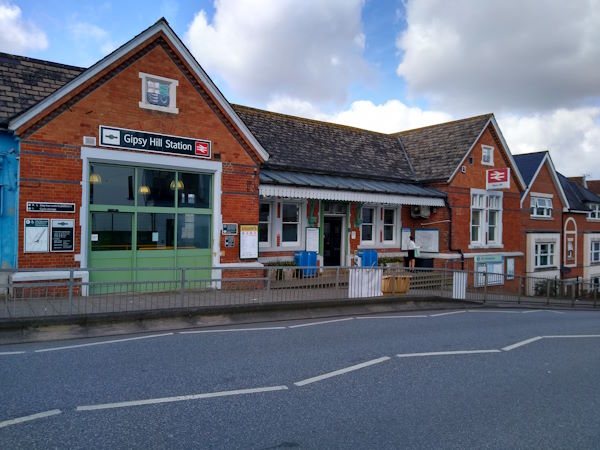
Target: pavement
454 378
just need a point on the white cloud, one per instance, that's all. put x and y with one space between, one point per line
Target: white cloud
390 117
91 41
572 136
268 50
17 34
497 56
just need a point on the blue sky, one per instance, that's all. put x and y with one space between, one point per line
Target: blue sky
383 65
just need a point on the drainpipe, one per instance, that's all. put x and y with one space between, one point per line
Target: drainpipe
462 255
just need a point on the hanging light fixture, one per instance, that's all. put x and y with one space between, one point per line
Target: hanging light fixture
95 178
144 189
180 185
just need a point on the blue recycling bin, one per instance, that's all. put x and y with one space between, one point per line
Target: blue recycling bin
307 261
368 258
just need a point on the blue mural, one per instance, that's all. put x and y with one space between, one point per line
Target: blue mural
9 190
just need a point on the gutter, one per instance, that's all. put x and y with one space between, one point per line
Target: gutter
458 250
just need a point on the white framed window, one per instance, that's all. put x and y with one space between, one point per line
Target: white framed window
595 211
477 217
494 219
544 254
290 224
159 93
540 207
367 229
487 155
595 252
389 225
264 224
486 218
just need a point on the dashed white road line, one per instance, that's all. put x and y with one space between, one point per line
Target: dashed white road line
342 371
451 352
10 353
389 317
522 343
41 415
320 323
231 330
566 336
114 341
179 398
448 313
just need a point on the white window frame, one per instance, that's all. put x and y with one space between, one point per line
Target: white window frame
550 254
594 214
172 108
486 149
540 207
298 240
394 239
372 224
480 201
595 252
269 223
492 197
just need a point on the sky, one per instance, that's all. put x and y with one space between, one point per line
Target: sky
384 65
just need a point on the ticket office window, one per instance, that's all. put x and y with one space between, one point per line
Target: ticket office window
167 210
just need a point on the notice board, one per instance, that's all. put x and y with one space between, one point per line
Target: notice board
428 239
248 241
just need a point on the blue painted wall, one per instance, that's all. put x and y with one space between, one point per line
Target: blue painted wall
9 190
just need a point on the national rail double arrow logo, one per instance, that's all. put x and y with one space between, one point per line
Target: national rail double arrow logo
497 175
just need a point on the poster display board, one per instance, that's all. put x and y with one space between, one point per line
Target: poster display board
405 237
62 235
312 240
428 240
248 241
37 235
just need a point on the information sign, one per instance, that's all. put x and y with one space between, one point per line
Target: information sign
63 235
248 241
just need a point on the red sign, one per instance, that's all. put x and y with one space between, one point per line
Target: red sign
498 178
202 148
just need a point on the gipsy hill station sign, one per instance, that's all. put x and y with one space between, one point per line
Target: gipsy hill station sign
152 142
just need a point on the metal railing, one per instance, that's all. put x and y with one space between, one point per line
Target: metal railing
89 292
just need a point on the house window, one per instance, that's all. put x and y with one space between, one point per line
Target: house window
264 224
368 224
477 216
544 254
487 155
541 207
595 253
159 93
389 225
595 211
486 218
290 224
494 219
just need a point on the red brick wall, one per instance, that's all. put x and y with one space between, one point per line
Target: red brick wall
50 160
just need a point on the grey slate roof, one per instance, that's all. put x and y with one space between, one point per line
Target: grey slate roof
321 147
528 164
26 81
578 196
280 177
436 151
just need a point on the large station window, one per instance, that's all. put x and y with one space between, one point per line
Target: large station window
145 209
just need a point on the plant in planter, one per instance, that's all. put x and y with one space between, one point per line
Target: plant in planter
280 271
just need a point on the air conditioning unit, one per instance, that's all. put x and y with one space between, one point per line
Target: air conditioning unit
420 211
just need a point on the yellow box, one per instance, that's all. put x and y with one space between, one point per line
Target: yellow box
395 284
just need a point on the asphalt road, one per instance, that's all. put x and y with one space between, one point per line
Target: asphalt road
503 379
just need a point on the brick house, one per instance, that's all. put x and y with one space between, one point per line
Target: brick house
543 206
135 162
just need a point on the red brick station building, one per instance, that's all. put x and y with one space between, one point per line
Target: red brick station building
140 161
